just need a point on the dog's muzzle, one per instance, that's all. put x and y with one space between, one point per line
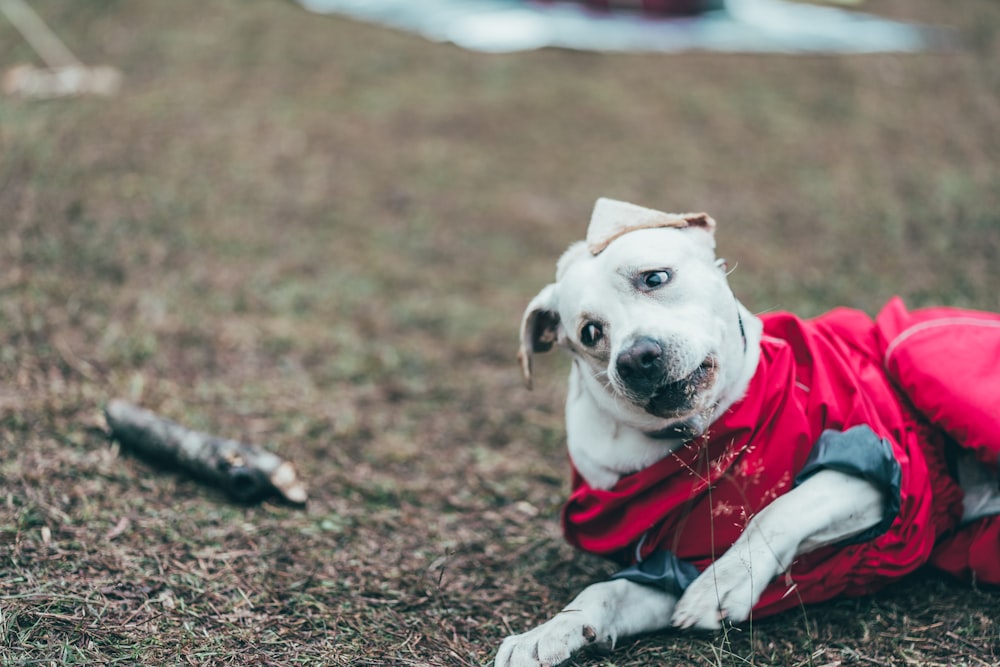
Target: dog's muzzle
678 398
642 369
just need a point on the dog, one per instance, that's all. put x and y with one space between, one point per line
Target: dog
738 466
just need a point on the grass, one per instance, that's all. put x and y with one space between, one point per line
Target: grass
320 236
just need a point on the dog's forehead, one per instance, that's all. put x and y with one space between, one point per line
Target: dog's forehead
636 251
593 283
650 248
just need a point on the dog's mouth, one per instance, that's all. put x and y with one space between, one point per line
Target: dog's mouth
679 398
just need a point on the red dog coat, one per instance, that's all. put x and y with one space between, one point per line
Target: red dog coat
913 385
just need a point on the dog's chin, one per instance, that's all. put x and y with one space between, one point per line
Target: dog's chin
685 429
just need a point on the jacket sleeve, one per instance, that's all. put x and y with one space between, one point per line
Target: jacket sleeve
860 452
662 570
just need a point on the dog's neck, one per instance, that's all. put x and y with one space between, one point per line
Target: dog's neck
751 330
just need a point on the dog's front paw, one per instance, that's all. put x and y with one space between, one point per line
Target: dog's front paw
726 591
707 603
549 644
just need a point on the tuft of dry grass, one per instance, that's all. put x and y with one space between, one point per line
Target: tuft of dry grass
320 235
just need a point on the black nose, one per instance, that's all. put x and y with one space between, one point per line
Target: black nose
641 365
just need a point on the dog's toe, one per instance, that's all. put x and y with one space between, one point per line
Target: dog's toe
548 645
713 600
698 616
530 650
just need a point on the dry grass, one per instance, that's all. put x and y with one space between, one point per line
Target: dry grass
320 235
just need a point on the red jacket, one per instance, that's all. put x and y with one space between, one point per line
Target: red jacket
833 372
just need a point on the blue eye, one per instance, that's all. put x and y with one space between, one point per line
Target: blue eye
655 279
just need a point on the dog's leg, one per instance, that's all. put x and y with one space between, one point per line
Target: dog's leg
599 615
827 508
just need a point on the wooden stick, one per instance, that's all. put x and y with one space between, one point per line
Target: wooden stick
45 83
246 472
45 43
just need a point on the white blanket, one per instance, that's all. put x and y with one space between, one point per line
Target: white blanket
746 26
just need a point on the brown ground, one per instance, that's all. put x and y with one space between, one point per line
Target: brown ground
320 235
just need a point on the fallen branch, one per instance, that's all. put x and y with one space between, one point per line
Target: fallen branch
246 472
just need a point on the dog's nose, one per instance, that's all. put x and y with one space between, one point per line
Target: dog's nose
642 363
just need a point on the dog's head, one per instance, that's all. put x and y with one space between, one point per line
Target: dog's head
645 310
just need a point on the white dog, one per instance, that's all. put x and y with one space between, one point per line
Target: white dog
677 474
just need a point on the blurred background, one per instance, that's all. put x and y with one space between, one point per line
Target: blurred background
319 234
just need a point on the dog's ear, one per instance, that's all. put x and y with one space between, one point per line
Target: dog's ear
703 226
612 219
539 329
700 220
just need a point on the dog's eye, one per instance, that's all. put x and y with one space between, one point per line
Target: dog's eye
651 280
591 334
